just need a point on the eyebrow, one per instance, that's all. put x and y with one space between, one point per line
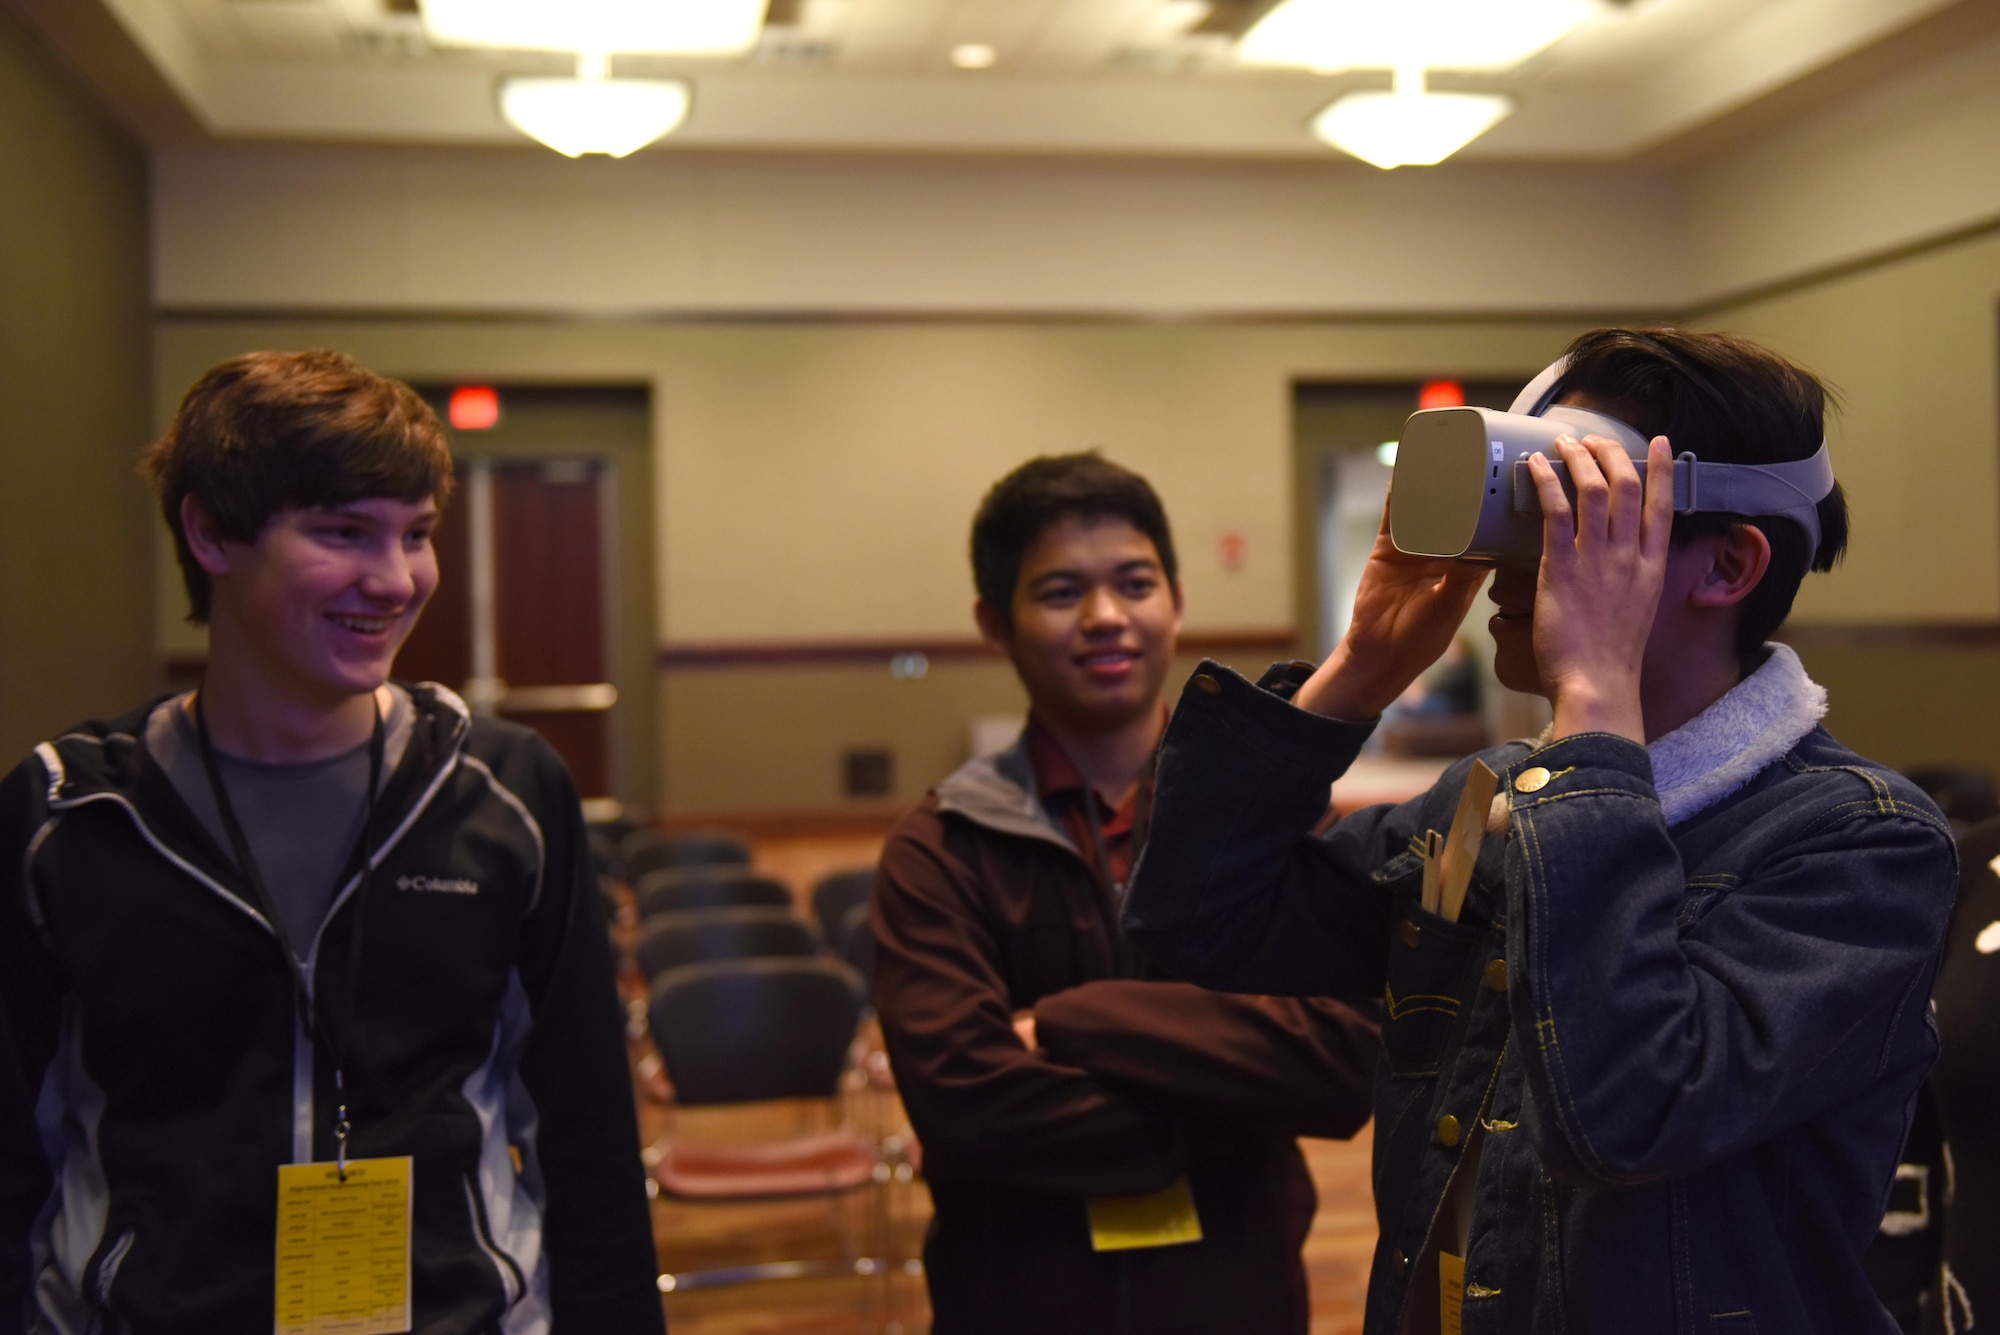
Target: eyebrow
1141 563
353 510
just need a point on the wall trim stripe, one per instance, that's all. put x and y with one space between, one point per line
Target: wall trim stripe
1279 641
1700 308
1839 269
1911 635
276 314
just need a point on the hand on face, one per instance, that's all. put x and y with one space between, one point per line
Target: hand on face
1406 612
1598 591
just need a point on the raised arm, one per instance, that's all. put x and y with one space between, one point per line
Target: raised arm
1234 891
1231 892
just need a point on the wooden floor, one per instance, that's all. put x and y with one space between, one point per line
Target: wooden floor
883 1225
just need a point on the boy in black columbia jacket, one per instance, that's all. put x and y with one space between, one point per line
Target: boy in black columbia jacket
307 916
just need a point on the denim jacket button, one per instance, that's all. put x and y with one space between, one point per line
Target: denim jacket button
1531 780
1496 975
1208 685
1447 1131
1411 934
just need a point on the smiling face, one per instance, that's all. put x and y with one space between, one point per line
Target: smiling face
1094 623
321 601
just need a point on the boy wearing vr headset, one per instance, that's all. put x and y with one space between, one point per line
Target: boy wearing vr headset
224 1105
1657 984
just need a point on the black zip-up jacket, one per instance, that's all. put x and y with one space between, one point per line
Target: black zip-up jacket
154 1072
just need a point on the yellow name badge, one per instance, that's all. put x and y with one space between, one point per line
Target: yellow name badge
1451 1293
1161 1219
344 1248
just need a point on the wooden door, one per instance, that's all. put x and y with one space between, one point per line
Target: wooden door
520 624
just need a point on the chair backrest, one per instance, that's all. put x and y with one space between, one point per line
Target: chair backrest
604 855
649 850
836 893
678 889
741 1030
701 936
1964 793
854 941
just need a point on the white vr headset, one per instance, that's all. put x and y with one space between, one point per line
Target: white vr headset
1462 486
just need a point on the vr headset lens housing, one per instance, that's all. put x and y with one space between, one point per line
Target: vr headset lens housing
1461 486
1458 472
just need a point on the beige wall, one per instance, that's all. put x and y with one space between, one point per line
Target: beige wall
813 474
669 233
76 611
1907 160
1913 348
1910 348
815 483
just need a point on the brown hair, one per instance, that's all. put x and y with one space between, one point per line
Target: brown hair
1729 401
1045 491
271 431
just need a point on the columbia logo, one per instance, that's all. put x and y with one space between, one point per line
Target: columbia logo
437 885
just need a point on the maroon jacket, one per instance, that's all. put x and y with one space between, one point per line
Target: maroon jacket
984 908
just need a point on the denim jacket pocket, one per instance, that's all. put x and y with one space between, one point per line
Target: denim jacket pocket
1428 958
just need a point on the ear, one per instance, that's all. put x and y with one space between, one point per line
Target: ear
204 542
993 627
1739 559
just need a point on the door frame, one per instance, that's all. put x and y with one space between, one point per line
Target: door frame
609 424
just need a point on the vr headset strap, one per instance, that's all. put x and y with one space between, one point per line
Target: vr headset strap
1787 490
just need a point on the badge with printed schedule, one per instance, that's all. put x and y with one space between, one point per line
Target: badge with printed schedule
1451 1294
344 1248
1158 1219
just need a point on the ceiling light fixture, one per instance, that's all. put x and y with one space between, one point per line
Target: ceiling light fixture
638 27
973 56
593 113
1334 35
1408 127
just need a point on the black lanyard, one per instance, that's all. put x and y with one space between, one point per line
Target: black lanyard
319 1026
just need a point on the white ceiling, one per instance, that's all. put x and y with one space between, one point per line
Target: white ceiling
1110 77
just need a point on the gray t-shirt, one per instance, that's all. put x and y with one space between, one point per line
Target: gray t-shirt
302 822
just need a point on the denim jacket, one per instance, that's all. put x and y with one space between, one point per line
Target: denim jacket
1679 1061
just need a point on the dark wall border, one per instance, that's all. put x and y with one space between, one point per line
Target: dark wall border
1280 641
186 669
1898 635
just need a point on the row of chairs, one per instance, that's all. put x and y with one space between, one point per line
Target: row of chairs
628 851
691 915
743 1007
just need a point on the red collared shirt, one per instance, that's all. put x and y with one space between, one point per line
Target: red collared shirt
1061 788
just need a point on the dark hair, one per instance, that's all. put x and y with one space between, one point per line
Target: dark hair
271 431
1726 400
1044 491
